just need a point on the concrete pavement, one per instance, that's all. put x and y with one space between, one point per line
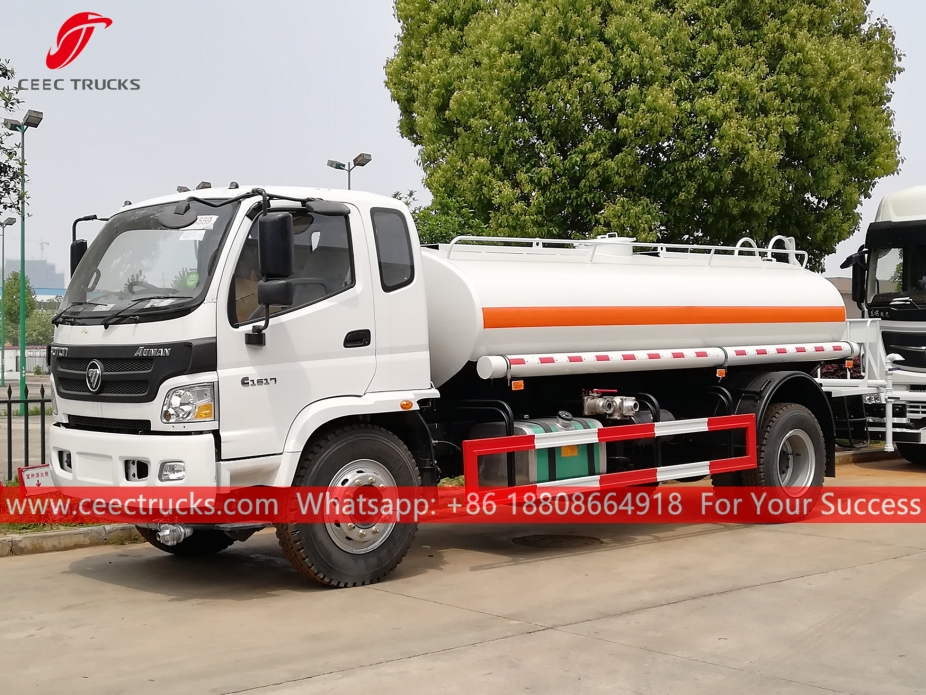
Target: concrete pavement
643 609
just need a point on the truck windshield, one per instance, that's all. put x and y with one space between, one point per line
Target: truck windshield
897 272
135 257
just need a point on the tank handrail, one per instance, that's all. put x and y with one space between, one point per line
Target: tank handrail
739 246
660 247
789 246
535 242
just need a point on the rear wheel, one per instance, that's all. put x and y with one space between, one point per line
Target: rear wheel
791 457
349 551
914 453
199 544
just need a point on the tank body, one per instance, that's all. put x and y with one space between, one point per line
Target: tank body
493 300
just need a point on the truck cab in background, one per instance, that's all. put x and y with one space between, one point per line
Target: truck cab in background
889 283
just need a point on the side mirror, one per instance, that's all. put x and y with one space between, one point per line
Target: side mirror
275 293
327 207
858 262
858 283
275 246
78 249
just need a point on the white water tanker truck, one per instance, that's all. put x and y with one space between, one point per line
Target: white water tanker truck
296 336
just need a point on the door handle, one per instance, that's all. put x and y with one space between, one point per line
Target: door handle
356 339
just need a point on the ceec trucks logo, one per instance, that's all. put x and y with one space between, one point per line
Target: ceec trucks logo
73 37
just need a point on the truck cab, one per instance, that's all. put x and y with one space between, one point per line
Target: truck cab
889 283
167 370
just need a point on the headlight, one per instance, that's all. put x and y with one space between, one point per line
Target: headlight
189 404
873 398
54 399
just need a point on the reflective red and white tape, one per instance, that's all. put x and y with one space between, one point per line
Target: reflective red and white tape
516 366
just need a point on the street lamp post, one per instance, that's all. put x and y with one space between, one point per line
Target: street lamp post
3 225
361 160
31 120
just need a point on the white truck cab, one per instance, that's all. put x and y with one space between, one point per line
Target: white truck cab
152 343
889 283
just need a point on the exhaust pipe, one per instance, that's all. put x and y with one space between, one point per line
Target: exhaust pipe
172 534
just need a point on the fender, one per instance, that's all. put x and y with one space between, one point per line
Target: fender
318 414
754 392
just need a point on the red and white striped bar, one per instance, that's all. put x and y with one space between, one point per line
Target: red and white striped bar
474 448
517 366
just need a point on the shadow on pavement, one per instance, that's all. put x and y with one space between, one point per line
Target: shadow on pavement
246 571
498 547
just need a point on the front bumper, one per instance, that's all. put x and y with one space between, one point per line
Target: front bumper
99 458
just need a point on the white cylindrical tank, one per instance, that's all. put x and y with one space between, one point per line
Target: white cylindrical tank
495 300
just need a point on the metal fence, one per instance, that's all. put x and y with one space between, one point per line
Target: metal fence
20 423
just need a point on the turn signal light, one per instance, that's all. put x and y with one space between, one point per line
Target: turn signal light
517 385
721 373
406 405
850 364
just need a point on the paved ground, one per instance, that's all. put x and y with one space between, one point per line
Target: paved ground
790 610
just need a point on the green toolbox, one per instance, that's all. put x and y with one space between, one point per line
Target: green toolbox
541 465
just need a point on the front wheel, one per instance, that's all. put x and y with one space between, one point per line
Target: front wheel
913 453
351 551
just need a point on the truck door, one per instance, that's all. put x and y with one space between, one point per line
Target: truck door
322 346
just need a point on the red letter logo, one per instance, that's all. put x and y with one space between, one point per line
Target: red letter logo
72 37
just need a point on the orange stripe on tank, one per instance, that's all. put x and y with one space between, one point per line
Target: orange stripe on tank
554 316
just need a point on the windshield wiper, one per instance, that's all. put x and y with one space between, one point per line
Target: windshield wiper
60 318
903 302
121 315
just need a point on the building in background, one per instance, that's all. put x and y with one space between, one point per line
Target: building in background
44 277
844 285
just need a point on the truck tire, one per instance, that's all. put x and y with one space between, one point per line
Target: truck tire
912 453
345 554
791 455
200 544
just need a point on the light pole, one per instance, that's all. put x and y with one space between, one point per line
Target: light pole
32 120
361 160
3 225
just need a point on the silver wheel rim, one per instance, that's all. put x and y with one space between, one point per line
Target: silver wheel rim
348 534
796 462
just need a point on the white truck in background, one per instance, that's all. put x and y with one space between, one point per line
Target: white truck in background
889 284
296 336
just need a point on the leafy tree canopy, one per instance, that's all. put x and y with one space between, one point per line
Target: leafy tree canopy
39 329
9 145
11 306
679 120
442 220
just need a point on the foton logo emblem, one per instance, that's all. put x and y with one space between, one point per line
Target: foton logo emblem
94 376
73 37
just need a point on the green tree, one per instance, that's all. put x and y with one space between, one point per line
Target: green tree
39 329
442 220
679 120
9 144
11 306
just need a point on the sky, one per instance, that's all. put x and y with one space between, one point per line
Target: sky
262 93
